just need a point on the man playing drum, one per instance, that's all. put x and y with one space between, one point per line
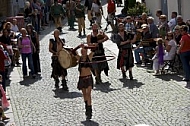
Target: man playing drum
55 46
96 38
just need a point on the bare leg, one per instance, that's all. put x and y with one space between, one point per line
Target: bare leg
123 72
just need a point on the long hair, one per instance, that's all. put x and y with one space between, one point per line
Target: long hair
31 27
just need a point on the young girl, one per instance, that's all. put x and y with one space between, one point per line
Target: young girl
170 51
158 58
85 82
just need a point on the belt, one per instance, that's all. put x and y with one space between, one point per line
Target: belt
85 77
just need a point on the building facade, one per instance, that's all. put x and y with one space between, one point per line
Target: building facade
11 7
168 6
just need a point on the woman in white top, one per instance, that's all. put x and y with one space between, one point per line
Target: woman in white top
97 12
170 51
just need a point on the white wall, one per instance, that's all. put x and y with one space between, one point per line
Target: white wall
153 5
185 9
172 6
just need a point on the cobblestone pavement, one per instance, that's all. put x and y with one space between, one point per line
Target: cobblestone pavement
156 101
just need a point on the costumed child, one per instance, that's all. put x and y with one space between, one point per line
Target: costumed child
159 54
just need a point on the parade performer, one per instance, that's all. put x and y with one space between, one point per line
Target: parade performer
97 38
55 45
57 12
85 82
88 5
80 15
70 9
125 59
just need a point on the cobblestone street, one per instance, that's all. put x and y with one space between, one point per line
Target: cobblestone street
148 99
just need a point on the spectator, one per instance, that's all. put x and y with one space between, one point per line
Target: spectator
129 26
2 68
153 28
172 23
25 44
184 52
170 47
28 14
35 55
142 20
7 26
180 21
177 34
163 28
5 39
188 24
158 14
7 61
14 27
140 49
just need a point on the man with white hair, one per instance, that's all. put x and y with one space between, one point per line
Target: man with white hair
180 21
152 27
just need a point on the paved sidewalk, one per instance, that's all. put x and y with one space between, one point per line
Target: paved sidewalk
156 101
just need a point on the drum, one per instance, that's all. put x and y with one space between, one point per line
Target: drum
100 36
67 59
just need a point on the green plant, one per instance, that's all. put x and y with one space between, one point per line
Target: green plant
131 3
137 10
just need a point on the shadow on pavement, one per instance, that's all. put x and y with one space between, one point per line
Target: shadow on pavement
89 123
29 80
131 83
60 93
169 77
104 87
188 85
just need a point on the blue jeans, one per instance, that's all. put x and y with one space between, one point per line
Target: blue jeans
30 63
2 73
141 50
185 59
